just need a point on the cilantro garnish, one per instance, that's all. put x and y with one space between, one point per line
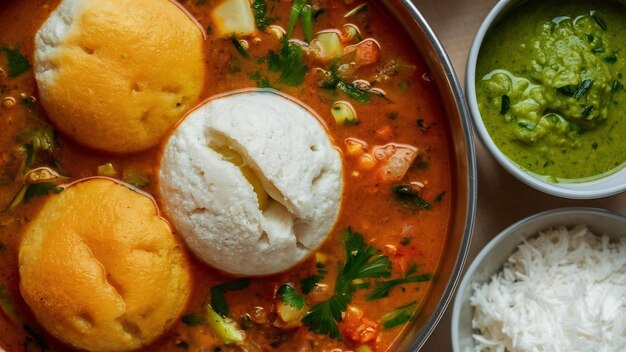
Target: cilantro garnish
37 141
617 86
40 189
362 262
332 81
261 80
308 283
259 8
290 64
218 299
17 63
383 288
290 297
408 192
439 197
355 93
399 315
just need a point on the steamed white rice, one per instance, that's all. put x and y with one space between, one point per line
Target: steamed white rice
564 290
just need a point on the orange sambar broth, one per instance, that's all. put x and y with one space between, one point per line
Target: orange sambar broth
369 207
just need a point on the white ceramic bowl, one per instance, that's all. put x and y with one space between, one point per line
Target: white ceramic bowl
494 254
596 188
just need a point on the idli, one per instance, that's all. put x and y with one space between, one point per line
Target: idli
251 181
116 75
100 269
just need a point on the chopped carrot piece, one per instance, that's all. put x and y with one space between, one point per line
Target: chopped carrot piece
384 133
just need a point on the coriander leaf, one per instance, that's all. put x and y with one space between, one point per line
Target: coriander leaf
308 283
399 315
439 198
17 63
218 299
290 297
362 262
261 80
290 64
323 316
506 104
259 7
239 47
37 141
617 86
38 189
408 192
192 319
353 92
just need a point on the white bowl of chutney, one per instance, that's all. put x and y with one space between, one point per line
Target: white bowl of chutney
527 89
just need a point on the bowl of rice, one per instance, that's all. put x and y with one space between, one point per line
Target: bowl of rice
555 281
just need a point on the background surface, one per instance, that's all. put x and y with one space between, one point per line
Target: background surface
502 199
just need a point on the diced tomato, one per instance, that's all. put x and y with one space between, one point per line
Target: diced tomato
357 327
367 52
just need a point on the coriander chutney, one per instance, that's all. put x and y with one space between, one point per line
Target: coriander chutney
550 83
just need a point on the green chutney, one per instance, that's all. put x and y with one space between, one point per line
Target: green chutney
550 84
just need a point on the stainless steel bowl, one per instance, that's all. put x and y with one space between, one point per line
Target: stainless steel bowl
464 174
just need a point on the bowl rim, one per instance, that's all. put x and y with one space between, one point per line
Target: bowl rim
503 236
575 190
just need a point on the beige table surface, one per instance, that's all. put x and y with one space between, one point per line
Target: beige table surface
502 199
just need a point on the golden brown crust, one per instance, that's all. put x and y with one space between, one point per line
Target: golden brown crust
101 270
119 74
